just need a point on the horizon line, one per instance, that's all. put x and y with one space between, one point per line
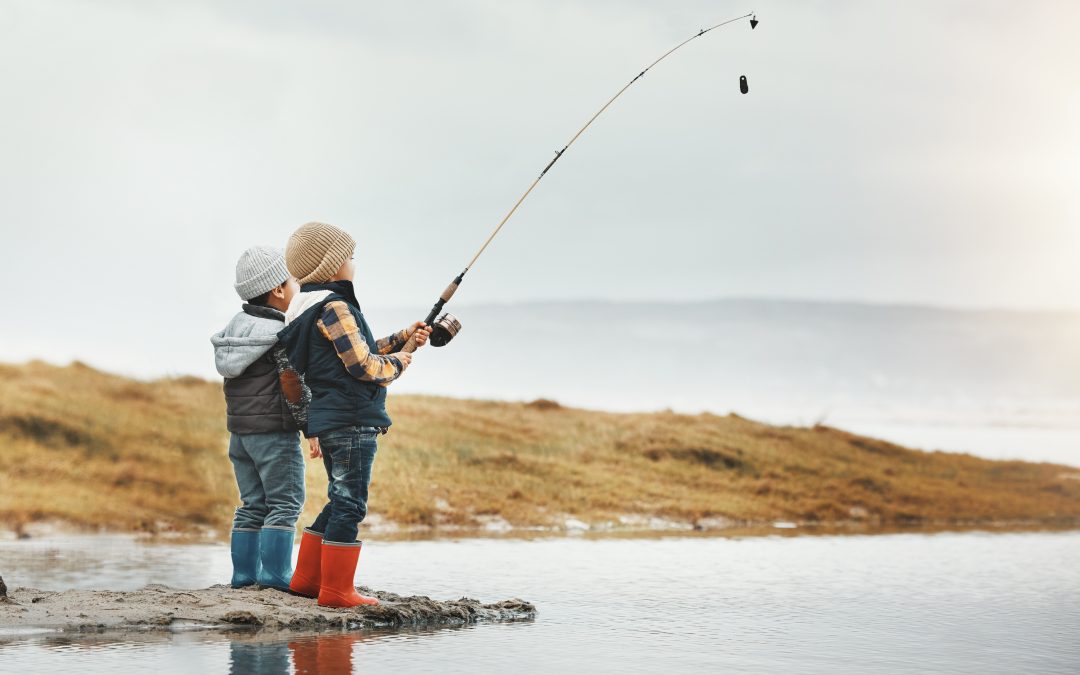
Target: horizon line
771 299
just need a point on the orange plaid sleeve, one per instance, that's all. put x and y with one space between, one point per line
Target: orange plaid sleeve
339 327
393 343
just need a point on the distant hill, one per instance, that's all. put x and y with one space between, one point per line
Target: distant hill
782 360
779 360
97 450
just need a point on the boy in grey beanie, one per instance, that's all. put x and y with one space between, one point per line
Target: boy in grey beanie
265 404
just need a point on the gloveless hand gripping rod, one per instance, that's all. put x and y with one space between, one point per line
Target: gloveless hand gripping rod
445 327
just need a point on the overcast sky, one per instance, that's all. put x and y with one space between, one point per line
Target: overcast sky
923 152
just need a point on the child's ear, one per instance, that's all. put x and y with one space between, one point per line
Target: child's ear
279 291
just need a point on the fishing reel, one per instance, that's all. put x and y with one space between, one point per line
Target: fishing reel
446 326
444 329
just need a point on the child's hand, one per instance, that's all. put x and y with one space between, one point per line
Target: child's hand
314 450
421 331
404 357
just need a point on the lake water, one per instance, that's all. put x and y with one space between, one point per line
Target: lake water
908 603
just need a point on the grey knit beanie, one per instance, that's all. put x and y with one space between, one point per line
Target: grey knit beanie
260 269
316 251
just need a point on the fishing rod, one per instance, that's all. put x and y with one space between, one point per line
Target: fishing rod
446 326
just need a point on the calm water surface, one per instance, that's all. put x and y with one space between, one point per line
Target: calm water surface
911 603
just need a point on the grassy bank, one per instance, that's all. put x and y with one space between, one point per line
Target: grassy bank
96 450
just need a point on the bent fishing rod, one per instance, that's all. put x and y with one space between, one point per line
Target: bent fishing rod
446 326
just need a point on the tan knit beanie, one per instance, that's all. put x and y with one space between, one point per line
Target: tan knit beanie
317 250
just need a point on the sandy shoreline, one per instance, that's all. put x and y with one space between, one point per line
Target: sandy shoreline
161 608
645 528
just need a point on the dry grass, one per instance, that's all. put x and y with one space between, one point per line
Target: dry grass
97 450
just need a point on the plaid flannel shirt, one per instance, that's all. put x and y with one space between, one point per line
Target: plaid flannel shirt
339 327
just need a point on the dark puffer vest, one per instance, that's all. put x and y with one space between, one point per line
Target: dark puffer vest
244 355
337 398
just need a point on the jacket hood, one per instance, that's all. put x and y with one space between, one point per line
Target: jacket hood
247 337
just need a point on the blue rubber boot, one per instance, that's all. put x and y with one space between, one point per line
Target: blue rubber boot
275 556
245 557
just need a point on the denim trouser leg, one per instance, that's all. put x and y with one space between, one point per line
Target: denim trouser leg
281 469
319 524
348 455
270 474
252 510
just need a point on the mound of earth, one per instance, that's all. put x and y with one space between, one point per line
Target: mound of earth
164 608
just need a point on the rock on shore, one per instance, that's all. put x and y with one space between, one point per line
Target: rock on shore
159 607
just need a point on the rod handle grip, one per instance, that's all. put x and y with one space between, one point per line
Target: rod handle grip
410 344
450 290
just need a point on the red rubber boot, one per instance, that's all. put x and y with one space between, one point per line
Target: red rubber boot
308 573
338 570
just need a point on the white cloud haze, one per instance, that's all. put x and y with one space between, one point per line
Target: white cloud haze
920 152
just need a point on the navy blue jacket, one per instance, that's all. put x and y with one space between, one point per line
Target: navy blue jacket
337 398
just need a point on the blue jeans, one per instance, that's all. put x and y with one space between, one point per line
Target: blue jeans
269 471
348 454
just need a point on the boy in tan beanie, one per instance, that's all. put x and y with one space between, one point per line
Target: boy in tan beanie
328 340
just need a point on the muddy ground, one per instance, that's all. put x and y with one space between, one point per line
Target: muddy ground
159 607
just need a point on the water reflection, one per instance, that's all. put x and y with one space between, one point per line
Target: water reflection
254 656
943 603
278 654
247 651
329 654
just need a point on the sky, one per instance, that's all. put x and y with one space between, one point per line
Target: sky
916 152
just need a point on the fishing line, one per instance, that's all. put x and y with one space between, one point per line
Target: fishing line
445 327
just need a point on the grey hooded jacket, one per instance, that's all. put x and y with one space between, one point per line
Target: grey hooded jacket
256 383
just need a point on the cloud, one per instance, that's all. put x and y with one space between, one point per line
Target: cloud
913 152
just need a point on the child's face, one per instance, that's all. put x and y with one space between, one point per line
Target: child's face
346 272
292 287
